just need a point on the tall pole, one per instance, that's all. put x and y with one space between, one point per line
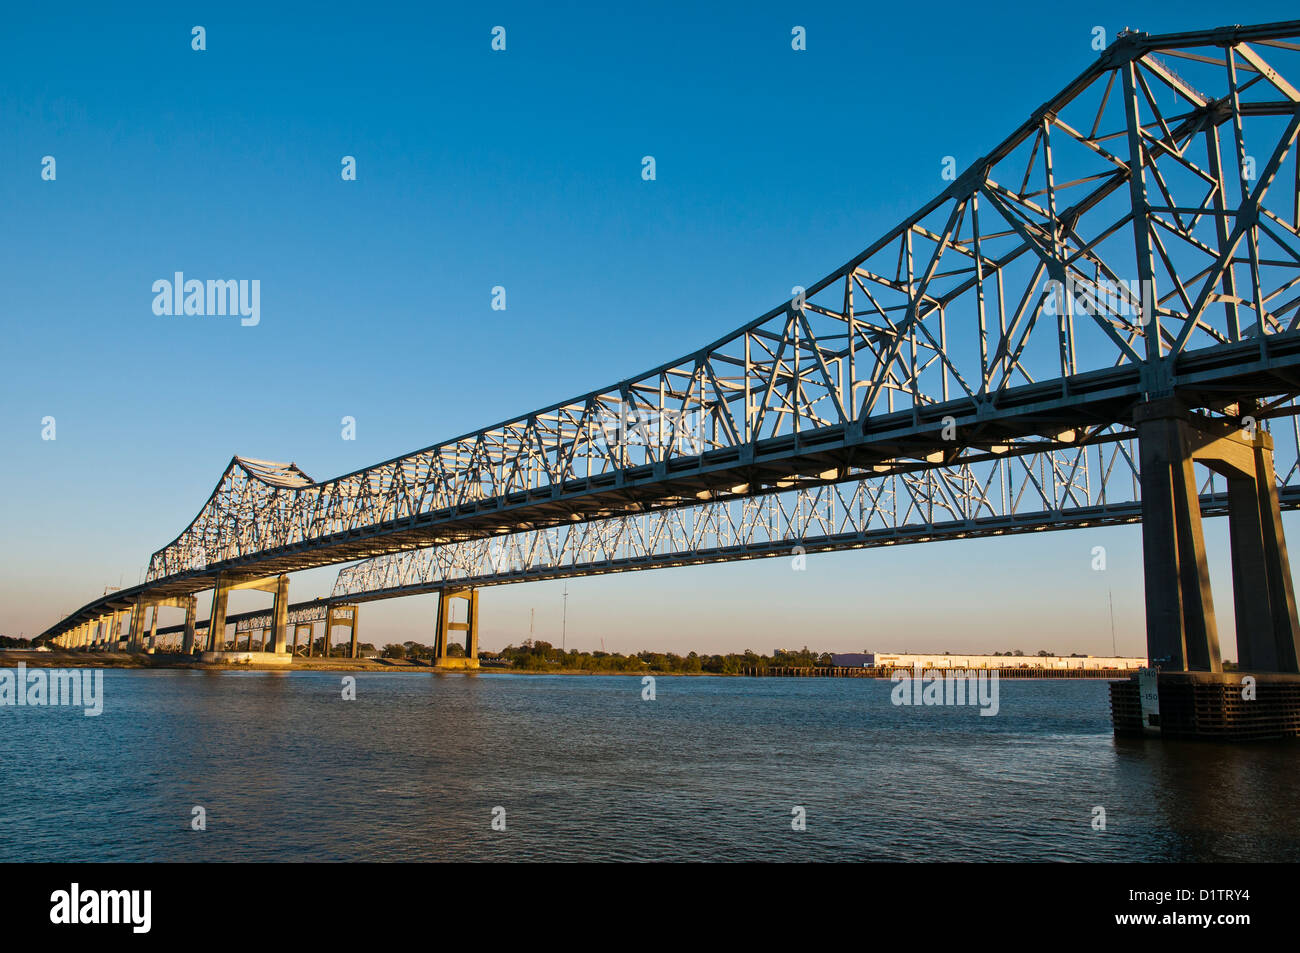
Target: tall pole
1113 650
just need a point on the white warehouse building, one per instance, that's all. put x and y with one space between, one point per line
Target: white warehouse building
1008 661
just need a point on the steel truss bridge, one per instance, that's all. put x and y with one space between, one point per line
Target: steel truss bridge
1108 296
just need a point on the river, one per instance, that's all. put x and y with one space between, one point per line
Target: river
418 766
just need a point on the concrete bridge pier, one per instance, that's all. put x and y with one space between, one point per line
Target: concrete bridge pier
280 616
1191 696
336 615
297 631
217 616
278 586
1268 636
1181 632
135 634
191 616
445 626
140 638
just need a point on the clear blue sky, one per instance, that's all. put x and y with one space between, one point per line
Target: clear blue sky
477 169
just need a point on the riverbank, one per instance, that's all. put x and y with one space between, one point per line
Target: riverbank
134 660
131 660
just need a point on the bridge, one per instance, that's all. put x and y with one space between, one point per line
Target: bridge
1108 297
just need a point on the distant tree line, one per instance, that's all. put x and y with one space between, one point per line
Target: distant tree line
539 656
13 642
1042 653
340 649
419 651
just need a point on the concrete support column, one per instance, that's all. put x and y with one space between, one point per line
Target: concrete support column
280 615
153 630
445 625
441 628
1285 629
1267 632
191 616
115 631
217 618
329 625
356 613
471 635
135 636
1181 631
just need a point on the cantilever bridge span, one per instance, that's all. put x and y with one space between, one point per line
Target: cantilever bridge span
1124 266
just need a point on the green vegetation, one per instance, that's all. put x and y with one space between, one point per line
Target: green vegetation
542 657
341 649
418 650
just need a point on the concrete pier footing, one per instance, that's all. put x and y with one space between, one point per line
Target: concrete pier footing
1186 693
1218 706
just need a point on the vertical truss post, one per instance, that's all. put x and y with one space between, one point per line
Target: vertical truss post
1141 218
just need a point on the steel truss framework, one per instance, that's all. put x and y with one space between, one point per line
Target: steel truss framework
1092 485
302 613
1138 236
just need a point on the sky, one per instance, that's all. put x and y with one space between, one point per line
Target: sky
474 169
